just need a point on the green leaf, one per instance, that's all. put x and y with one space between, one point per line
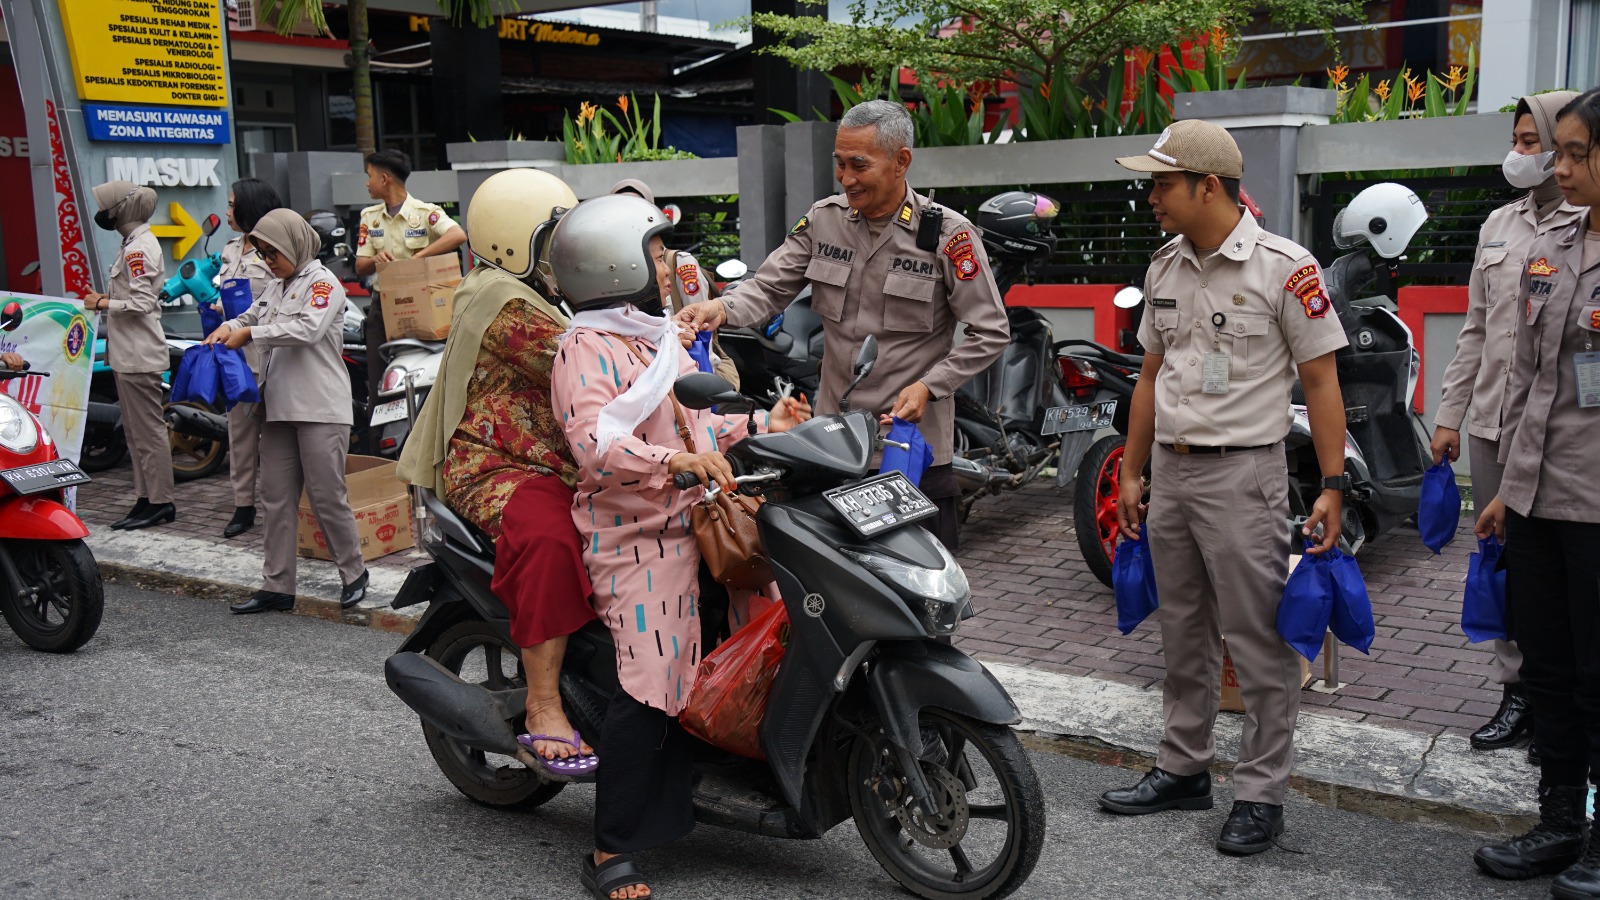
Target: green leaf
1472 79
784 114
1433 98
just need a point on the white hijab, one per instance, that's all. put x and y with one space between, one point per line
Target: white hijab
626 411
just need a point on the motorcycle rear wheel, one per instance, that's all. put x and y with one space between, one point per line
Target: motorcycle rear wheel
981 780
1094 505
194 457
65 612
477 653
103 445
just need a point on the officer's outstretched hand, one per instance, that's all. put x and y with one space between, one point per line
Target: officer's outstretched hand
218 336
1324 512
912 402
1492 521
703 316
1130 505
237 338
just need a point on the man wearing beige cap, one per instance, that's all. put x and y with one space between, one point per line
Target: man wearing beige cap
1233 312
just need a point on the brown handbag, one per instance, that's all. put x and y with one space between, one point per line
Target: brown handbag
724 524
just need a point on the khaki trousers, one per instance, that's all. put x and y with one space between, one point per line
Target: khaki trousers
1219 537
1486 475
140 398
244 451
309 455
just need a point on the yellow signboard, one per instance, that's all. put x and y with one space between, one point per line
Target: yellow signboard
147 51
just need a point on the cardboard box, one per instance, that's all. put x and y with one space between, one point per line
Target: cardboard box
382 507
416 296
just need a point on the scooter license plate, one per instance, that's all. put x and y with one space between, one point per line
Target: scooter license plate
393 411
880 504
1087 417
50 476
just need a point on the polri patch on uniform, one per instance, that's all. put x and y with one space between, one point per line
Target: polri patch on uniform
1313 298
1541 268
800 226
135 262
960 253
361 235
1300 275
320 293
689 275
433 217
1164 302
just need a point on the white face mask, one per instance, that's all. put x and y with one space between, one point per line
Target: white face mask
1528 172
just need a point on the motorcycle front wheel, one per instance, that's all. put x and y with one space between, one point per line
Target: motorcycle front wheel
477 653
65 597
987 793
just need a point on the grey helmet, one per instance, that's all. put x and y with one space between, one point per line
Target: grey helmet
600 252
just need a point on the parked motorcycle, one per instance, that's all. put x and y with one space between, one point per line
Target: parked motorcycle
406 361
52 597
871 716
781 356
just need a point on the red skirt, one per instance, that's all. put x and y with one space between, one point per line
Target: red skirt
538 563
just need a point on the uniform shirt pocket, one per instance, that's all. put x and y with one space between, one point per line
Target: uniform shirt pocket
908 303
1491 265
416 238
828 280
1166 325
1250 345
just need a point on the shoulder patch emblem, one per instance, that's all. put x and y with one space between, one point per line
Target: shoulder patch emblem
135 262
1541 268
689 277
960 253
905 213
1300 275
800 226
1594 320
361 235
320 293
1313 298
433 217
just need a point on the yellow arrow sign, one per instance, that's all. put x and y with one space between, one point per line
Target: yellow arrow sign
184 229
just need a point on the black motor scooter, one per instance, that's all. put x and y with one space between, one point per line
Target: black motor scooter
871 716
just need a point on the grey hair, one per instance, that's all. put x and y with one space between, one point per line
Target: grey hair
890 118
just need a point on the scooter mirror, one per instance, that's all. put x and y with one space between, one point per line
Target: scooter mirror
29 269
703 390
11 316
730 269
1128 298
213 222
867 357
341 251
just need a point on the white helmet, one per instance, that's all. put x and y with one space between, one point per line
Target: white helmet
600 251
1386 215
508 212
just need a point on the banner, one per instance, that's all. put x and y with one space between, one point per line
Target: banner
56 337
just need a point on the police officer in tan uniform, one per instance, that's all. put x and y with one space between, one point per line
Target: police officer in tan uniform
870 274
1233 313
398 226
136 346
305 397
1477 376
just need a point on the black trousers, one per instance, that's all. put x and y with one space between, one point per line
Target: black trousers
939 485
643 795
1553 602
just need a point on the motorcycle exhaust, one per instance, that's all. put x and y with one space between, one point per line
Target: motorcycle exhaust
197 423
103 413
471 714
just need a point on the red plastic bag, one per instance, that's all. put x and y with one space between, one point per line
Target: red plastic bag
730 692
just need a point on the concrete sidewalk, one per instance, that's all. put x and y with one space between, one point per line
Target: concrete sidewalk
1397 768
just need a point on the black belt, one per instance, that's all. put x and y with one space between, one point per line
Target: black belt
1190 448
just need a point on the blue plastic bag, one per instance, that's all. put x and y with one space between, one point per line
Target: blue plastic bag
236 381
197 379
912 462
210 320
1133 581
1350 620
1439 510
700 350
1307 604
236 297
1483 609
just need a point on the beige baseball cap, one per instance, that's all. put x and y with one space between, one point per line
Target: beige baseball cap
1191 145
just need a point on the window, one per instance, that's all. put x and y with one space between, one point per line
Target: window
403 114
1583 54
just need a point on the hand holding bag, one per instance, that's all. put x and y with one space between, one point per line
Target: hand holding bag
238 383
1133 581
731 687
1439 509
912 462
1307 604
1350 619
1483 609
197 379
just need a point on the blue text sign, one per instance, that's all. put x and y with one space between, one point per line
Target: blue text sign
155 124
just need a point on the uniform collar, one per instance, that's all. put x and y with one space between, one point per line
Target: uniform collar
142 228
1572 235
1240 243
407 206
906 217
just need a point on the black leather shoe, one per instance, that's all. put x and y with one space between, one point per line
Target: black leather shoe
354 592
262 601
244 518
139 509
1250 828
1160 790
1508 724
1551 846
155 515
1580 881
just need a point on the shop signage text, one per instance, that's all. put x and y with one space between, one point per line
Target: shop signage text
165 171
531 30
153 124
147 51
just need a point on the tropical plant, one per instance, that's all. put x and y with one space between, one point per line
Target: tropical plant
595 135
1429 96
286 15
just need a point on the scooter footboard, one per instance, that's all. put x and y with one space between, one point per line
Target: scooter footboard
907 677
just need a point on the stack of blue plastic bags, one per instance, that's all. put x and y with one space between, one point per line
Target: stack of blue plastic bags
211 373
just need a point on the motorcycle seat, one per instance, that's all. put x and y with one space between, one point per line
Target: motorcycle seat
457 528
394 348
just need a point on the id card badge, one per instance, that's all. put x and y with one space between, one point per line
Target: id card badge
1214 372
1586 368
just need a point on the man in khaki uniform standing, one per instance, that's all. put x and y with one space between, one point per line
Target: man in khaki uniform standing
1481 369
398 226
1233 312
870 274
136 347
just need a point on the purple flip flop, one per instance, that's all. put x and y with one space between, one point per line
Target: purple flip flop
572 768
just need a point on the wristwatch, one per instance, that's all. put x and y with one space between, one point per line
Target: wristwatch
1340 482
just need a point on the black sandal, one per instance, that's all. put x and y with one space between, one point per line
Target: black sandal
614 874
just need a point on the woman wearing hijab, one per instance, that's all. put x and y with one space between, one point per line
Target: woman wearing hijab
1479 374
136 347
248 200
629 437
305 399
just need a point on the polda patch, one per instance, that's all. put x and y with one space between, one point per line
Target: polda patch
1300 275
135 263
961 255
689 277
361 235
320 292
1313 298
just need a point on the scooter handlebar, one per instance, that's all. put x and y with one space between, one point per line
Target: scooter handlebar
685 480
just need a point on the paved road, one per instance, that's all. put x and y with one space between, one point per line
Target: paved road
188 753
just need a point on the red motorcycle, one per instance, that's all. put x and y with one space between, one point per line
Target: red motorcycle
50 589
